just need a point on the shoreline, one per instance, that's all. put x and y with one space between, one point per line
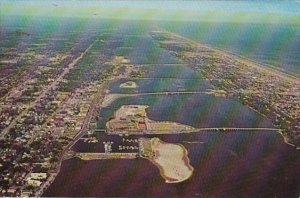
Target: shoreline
254 63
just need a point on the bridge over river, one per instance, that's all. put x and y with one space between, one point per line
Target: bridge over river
220 129
109 98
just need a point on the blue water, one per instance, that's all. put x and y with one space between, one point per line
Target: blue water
199 111
235 164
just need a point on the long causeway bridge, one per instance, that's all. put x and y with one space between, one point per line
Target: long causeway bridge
215 129
109 98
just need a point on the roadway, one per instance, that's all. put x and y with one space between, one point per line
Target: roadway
81 133
46 90
162 78
109 98
216 129
67 152
168 93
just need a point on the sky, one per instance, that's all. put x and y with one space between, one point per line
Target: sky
221 11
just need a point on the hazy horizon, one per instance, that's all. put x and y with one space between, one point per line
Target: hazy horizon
210 11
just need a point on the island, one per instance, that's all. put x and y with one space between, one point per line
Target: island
133 119
171 159
129 85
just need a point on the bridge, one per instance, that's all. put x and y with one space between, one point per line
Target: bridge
216 129
237 129
109 98
162 78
